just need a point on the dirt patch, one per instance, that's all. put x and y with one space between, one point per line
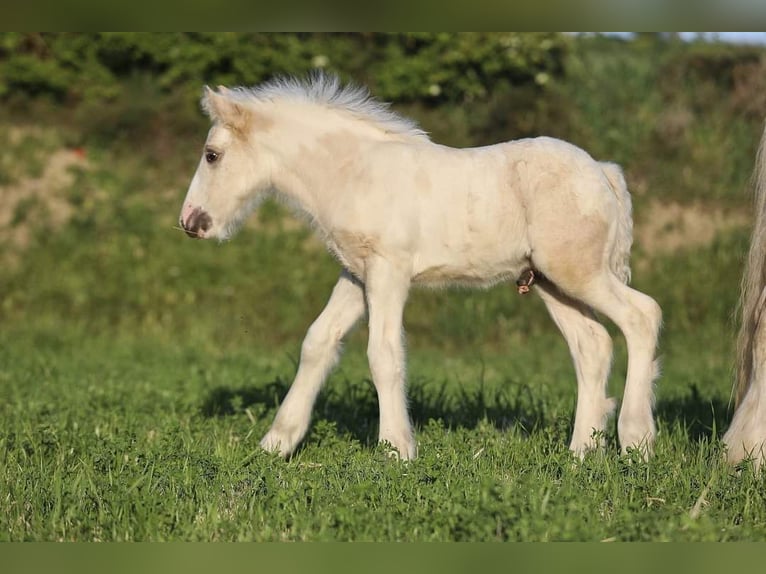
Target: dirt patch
669 227
28 201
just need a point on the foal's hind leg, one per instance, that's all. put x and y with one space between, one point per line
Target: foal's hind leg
591 348
639 317
319 353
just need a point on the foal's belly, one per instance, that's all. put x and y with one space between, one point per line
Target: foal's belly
482 273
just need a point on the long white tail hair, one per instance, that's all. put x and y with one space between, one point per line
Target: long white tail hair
753 280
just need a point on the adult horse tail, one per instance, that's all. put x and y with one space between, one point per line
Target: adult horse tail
746 435
753 280
619 258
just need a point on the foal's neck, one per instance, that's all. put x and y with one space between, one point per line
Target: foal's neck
311 149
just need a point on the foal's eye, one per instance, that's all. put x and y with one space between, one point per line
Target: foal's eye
212 156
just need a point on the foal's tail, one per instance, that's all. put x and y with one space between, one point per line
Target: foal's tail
753 280
619 258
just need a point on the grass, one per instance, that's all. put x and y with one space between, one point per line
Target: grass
131 440
139 369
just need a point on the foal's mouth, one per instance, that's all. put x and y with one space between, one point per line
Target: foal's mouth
197 223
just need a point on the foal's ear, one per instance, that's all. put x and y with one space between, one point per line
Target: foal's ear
221 108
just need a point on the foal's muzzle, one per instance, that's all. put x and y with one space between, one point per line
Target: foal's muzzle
196 223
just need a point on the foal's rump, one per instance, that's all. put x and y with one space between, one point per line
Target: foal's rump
578 214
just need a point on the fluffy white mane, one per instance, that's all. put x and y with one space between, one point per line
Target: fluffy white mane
327 90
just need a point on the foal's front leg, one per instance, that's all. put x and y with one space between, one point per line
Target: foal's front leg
386 289
319 353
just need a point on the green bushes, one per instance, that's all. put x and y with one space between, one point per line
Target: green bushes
404 67
142 89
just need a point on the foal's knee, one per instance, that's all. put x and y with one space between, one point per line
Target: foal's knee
317 344
600 339
652 314
386 361
644 318
594 350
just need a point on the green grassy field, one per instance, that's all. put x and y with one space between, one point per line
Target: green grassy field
139 369
132 438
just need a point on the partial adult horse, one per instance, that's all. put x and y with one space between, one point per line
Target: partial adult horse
746 436
398 210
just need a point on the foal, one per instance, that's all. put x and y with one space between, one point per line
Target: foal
398 210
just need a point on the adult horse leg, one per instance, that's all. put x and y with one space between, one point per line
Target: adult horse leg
746 436
386 288
319 353
591 348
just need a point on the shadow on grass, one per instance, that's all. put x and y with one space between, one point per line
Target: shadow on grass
694 415
353 407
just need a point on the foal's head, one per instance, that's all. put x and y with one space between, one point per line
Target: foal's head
233 172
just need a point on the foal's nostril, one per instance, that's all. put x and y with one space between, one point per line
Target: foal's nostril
205 221
197 221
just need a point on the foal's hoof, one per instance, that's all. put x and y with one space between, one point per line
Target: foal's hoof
406 450
637 435
278 444
594 444
740 449
644 448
